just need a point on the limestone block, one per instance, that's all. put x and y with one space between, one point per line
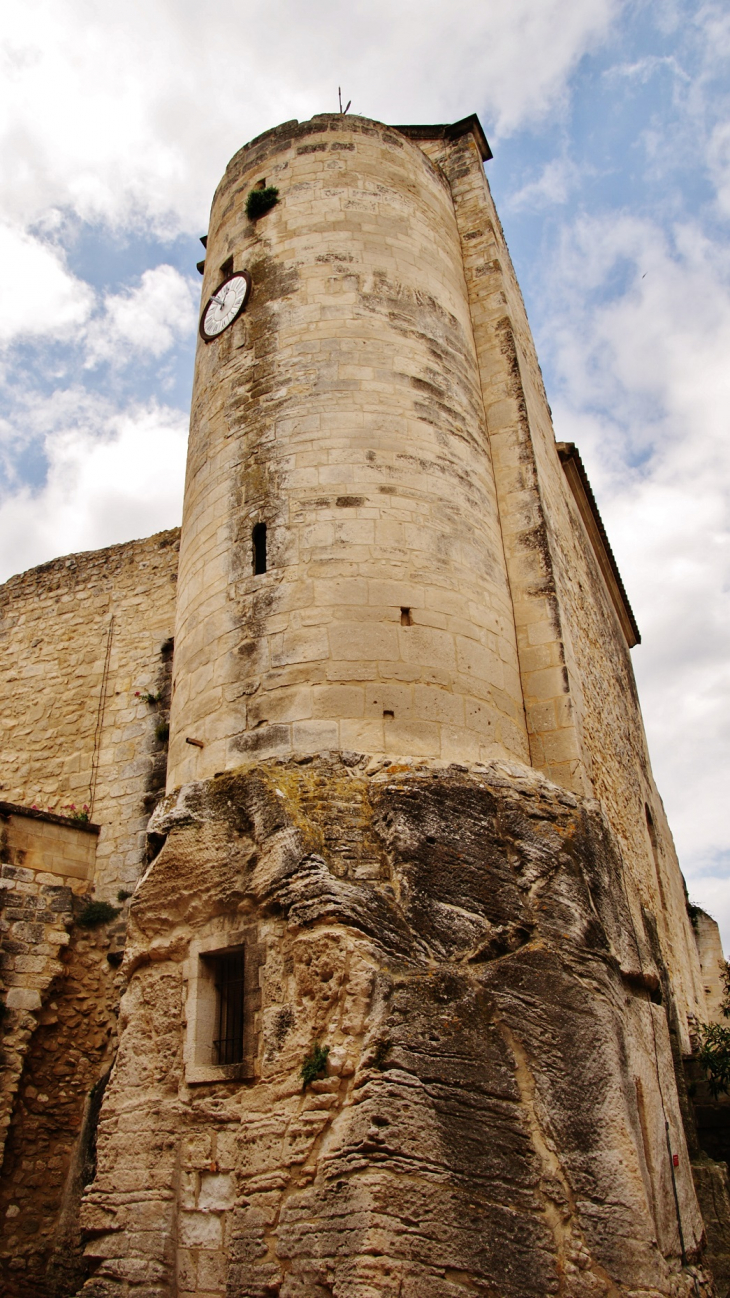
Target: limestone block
23 998
314 736
353 642
217 1192
302 646
548 683
338 701
200 1230
439 705
362 736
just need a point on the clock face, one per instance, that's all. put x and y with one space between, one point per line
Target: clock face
225 305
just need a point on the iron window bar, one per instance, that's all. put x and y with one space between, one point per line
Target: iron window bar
229 985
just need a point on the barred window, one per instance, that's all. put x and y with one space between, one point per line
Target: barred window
223 1001
228 973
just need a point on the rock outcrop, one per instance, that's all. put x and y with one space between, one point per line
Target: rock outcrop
498 1113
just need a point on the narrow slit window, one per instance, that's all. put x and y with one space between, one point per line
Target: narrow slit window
229 990
259 548
652 831
227 267
405 617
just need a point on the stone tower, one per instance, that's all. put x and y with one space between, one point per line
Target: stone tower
409 973
343 411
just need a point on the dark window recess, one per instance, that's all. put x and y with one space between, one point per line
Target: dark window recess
405 617
651 829
228 1040
258 536
387 713
227 267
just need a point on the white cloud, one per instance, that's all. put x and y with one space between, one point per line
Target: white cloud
148 319
645 68
112 475
131 112
718 160
558 179
38 295
713 21
646 395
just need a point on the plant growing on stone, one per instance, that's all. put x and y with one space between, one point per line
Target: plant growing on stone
714 1055
146 697
95 913
123 895
314 1064
260 201
692 911
162 731
725 976
714 1051
382 1050
81 814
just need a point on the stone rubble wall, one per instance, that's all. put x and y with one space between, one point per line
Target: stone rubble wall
44 863
49 1151
499 1076
54 634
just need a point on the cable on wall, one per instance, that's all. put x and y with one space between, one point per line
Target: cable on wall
100 718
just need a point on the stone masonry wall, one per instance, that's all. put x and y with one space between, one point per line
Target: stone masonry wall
712 963
58 623
583 715
343 411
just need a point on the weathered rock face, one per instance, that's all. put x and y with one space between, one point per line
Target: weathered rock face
498 1114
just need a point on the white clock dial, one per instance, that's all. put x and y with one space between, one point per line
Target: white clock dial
225 305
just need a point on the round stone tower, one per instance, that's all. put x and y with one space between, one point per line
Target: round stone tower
342 581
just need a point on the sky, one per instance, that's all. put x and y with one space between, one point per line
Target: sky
610 126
